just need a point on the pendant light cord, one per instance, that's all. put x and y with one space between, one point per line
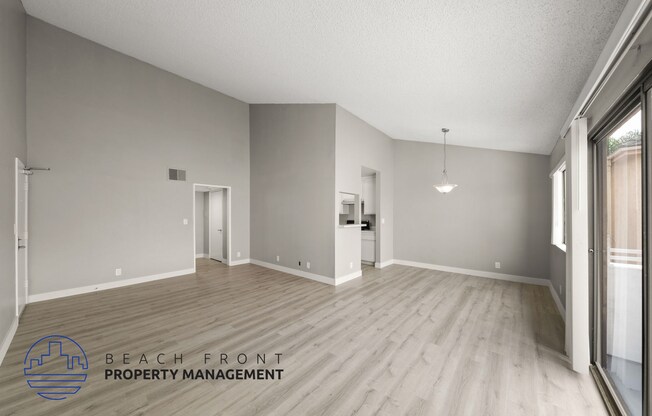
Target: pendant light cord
445 152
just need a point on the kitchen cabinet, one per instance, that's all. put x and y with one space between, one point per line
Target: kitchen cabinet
347 204
368 254
345 208
368 195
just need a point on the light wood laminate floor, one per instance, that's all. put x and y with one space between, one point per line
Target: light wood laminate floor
400 340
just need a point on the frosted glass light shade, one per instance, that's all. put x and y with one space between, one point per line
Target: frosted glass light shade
445 188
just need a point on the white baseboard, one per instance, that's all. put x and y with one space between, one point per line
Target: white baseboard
239 262
103 286
346 278
478 273
384 264
490 275
555 297
201 256
9 336
300 273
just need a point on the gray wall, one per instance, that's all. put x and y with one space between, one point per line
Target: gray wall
293 185
359 144
199 223
12 145
109 126
557 255
499 212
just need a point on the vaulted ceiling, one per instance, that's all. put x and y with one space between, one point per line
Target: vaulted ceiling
500 74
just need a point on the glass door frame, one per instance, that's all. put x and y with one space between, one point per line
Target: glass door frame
639 95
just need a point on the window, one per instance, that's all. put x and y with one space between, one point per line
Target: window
620 352
559 206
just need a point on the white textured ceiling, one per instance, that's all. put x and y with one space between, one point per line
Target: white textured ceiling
500 74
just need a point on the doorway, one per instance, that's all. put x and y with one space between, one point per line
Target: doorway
21 235
620 277
370 218
212 222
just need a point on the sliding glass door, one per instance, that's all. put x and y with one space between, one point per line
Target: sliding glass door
620 268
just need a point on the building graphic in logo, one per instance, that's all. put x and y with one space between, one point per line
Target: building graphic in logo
55 367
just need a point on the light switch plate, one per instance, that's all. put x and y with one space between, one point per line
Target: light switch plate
185 221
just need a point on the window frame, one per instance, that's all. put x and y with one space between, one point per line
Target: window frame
638 95
558 231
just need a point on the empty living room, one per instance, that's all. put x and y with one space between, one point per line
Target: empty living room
325 207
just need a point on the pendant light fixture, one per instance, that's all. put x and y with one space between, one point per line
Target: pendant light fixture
444 187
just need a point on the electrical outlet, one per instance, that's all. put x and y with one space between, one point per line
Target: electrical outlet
238 254
185 221
308 264
497 265
382 220
350 265
278 258
118 272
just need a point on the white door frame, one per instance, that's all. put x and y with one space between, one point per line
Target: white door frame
377 196
210 225
379 211
228 220
19 173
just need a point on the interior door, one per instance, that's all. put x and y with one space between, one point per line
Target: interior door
21 236
216 222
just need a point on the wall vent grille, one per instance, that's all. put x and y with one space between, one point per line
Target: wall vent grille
176 174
